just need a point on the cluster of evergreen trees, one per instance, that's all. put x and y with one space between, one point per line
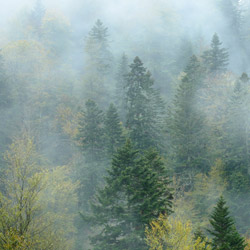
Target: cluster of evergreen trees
133 154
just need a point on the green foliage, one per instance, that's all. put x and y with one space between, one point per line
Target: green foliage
224 233
120 94
98 65
237 136
216 58
113 131
136 192
144 108
186 125
172 233
25 223
97 49
91 142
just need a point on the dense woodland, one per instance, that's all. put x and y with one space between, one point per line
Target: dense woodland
117 138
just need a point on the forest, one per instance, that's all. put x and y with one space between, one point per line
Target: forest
125 125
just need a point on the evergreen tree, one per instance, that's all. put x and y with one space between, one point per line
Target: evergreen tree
91 142
236 137
186 126
225 235
97 78
99 58
136 192
231 10
120 98
113 131
145 108
216 58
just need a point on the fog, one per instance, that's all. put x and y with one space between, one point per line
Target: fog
116 113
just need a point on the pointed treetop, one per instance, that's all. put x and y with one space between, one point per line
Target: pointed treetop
99 31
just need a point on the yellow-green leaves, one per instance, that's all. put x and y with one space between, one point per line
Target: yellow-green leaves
167 233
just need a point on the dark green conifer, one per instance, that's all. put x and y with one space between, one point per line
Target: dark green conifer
236 139
91 143
224 233
145 108
113 131
216 58
120 94
237 134
186 126
136 192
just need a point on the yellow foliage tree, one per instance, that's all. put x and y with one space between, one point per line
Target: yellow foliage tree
248 244
35 206
167 233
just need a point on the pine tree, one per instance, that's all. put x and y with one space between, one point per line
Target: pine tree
121 85
91 143
98 67
216 58
113 131
136 192
186 126
224 233
231 10
237 135
236 139
145 108
99 58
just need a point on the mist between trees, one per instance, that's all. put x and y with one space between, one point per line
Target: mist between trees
125 126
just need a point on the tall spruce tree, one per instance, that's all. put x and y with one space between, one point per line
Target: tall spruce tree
137 191
120 97
113 131
224 233
99 57
186 126
232 12
145 108
216 58
91 143
237 152
237 134
98 65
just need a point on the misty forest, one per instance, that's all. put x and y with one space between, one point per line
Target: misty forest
125 125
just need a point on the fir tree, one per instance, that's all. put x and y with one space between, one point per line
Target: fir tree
99 58
216 58
97 78
237 135
91 142
236 139
224 233
186 125
113 131
231 10
120 98
136 192
145 108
